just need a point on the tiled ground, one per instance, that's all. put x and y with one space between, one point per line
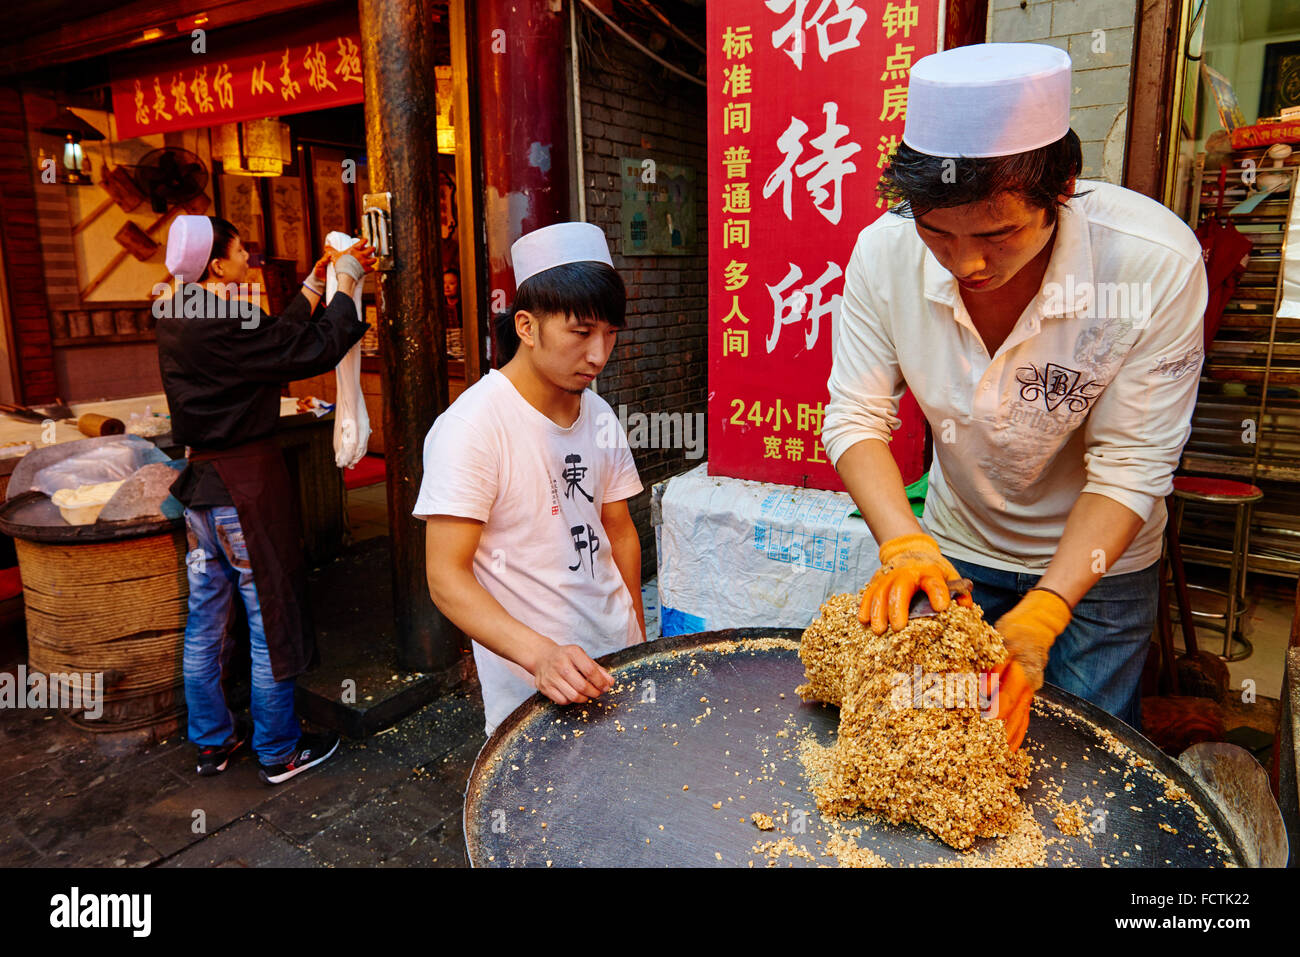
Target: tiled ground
395 798
368 512
1267 624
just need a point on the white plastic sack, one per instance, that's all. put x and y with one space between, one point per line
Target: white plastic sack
351 422
106 460
740 554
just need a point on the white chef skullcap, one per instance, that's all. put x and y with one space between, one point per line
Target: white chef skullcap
988 99
189 247
556 245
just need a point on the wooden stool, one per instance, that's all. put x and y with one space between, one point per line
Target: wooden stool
1240 497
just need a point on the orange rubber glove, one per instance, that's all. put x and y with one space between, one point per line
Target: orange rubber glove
1028 630
1014 698
907 563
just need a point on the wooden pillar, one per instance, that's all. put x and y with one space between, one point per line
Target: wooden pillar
1155 93
520 48
402 145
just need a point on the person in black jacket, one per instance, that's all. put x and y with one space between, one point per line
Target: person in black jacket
223 361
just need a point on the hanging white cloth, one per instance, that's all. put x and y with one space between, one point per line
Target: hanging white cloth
351 423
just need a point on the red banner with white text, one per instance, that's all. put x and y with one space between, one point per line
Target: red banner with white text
806 100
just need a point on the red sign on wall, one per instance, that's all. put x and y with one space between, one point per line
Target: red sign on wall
807 98
314 68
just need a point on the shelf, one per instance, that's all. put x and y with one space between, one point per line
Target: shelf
1254 347
1254 374
1258 564
104 340
1240 468
1262 294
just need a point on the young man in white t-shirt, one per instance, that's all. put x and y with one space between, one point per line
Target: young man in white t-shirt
531 550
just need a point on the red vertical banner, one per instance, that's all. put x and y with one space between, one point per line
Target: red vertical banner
807 99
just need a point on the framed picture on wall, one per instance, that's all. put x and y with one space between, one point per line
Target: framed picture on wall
241 204
1225 97
289 233
658 218
333 207
1281 84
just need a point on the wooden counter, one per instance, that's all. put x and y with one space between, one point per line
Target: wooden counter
307 441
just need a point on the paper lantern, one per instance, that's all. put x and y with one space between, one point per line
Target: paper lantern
256 148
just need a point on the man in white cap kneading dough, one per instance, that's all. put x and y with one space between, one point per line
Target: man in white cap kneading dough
531 550
1051 331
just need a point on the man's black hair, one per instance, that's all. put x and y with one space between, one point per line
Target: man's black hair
918 182
587 290
224 234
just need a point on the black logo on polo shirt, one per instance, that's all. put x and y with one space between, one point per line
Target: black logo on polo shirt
1056 385
1176 368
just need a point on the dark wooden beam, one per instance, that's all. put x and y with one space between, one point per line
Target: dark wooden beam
1295 619
1152 96
397 50
125 27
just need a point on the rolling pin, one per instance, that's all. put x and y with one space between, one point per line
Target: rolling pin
93 424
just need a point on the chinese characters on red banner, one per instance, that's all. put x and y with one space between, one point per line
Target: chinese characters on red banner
311 71
807 99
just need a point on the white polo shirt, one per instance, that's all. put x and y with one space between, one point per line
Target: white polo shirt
1092 391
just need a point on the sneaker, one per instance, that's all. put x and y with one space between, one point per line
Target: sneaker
312 750
214 760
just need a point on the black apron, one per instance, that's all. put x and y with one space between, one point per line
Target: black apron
267 504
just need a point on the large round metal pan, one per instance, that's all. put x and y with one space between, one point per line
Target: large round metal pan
713 719
32 517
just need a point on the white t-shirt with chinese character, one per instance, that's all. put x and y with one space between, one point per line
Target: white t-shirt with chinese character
538 488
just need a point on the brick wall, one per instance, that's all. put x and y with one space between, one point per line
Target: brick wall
660 362
20 244
91 373
1099 104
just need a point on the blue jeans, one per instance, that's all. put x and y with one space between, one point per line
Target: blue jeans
1100 654
217 565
